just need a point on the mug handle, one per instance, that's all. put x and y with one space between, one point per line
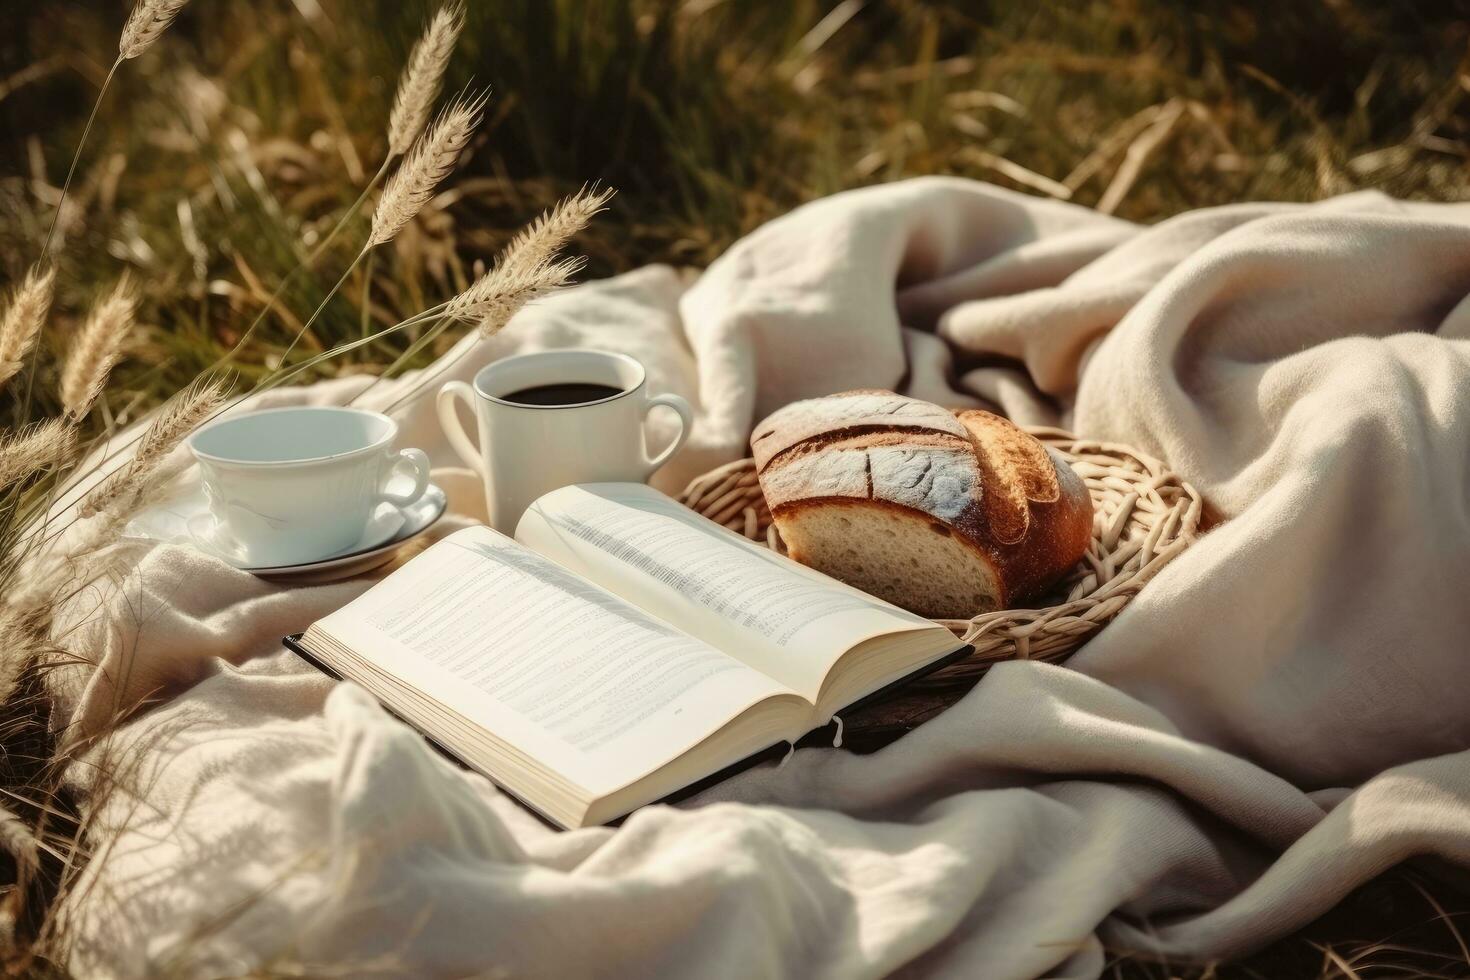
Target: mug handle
686 423
419 460
453 430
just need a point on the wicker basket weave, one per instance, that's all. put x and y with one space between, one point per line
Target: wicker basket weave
1144 516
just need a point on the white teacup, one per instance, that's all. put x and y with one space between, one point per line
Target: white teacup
526 450
294 485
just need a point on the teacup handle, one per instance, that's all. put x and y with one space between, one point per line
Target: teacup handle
419 460
686 423
453 430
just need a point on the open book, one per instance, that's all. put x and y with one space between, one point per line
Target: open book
620 649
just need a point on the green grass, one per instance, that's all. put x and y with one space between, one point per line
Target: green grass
224 154
709 116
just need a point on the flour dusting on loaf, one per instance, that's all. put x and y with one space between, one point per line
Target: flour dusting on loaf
947 515
938 481
852 412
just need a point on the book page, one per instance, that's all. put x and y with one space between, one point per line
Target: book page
588 685
785 620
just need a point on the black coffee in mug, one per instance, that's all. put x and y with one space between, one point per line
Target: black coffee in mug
538 431
571 393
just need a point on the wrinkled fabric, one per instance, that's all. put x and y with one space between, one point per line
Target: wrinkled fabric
1279 716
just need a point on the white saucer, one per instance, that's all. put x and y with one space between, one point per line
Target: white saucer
185 519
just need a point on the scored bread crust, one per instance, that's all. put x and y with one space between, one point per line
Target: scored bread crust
1045 525
848 413
947 514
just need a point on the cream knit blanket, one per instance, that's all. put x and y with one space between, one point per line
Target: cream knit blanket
1280 715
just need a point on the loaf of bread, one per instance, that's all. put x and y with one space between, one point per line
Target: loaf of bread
945 514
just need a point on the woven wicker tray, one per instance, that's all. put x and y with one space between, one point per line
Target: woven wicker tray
1144 517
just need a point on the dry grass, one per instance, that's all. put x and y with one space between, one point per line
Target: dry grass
529 267
26 453
146 24
97 349
47 560
425 167
1405 924
23 320
259 134
418 87
177 418
227 176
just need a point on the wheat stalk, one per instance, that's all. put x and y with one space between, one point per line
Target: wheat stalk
526 270
490 301
418 86
146 24
24 319
34 449
500 293
430 160
529 268
97 349
185 413
88 555
543 238
65 560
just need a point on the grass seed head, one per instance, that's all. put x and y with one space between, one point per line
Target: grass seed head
428 163
146 24
24 319
418 86
97 349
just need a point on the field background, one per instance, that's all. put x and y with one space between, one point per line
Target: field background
222 156
228 150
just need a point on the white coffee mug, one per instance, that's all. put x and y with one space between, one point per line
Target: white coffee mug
526 450
294 485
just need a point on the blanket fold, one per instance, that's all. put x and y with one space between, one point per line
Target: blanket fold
1277 717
